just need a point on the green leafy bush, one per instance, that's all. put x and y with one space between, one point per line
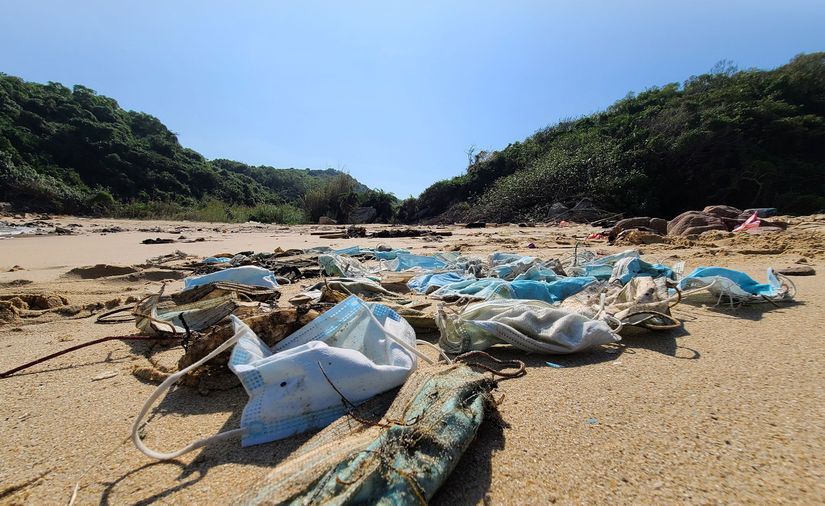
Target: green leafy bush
744 138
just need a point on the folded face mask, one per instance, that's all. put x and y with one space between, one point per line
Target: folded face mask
430 282
736 285
406 261
631 267
529 325
342 266
246 275
347 355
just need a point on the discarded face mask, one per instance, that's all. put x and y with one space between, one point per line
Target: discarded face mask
432 281
630 267
342 266
403 262
403 458
601 268
737 286
529 325
182 318
246 275
352 352
642 302
538 272
216 260
509 265
363 287
494 288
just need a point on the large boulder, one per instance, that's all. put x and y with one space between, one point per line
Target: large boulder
325 220
655 225
695 222
723 211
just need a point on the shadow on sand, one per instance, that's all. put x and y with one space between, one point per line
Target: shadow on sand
188 401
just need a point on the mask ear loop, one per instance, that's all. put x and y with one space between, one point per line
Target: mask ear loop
166 385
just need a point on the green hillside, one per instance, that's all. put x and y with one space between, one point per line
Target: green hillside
743 138
72 150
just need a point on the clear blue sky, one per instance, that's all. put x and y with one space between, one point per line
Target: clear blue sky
393 94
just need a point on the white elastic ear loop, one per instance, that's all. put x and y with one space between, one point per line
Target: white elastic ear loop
397 340
436 348
162 388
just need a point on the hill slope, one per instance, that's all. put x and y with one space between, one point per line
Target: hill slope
73 150
749 138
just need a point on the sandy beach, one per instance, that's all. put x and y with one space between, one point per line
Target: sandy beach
729 408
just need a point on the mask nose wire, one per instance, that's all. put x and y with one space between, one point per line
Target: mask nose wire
166 385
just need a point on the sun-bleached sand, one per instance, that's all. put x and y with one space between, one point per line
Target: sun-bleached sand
731 408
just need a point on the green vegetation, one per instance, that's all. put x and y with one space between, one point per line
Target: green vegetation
743 138
212 211
74 151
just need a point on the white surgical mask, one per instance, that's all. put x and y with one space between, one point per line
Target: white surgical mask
362 349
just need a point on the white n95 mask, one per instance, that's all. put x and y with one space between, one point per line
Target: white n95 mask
361 349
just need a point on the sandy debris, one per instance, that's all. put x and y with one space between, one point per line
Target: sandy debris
731 409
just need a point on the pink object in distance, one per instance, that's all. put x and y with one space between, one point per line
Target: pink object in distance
750 223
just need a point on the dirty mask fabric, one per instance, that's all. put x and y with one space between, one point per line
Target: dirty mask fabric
529 325
246 275
355 350
401 459
736 285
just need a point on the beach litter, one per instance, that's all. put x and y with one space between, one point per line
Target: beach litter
373 454
354 351
333 359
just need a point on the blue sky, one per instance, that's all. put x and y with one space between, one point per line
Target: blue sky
395 94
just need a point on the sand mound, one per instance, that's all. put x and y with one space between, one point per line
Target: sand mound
805 242
100 271
15 283
22 305
35 301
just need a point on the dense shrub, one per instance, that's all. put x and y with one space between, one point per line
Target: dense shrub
70 150
743 138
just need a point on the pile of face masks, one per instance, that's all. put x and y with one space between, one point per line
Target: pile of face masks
349 354
356 350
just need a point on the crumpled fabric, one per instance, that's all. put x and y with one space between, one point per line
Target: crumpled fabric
406 261
734 284
432 281
246 275
357 250
601 268
290 386
538 272
529 325
642 301
493 288
509 265
364 287
630 267
342 266
402 461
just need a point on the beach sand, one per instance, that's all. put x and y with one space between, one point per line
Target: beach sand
731 408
